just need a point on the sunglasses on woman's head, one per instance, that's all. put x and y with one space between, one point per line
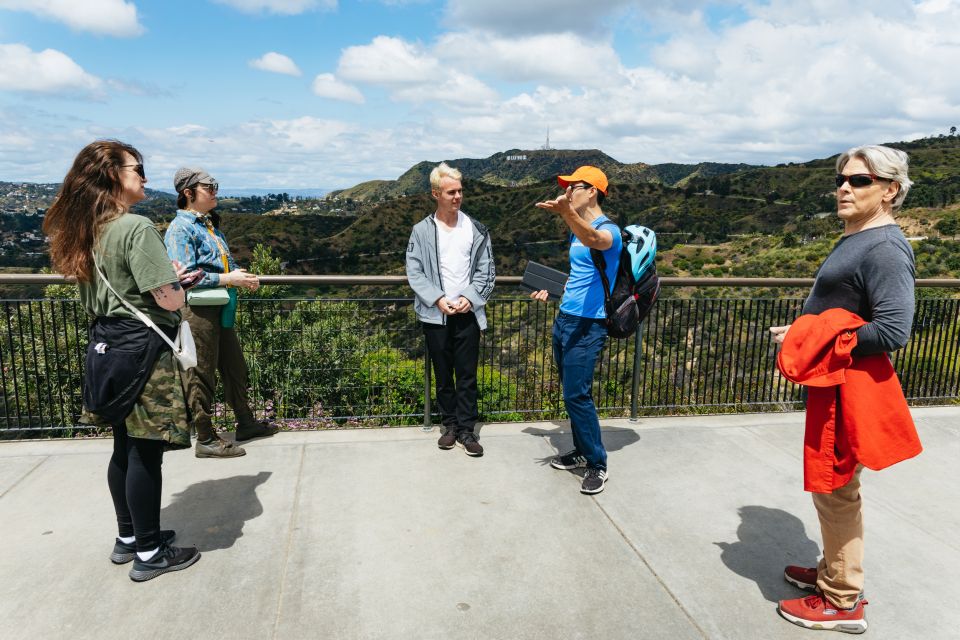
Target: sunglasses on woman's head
857 180
137 168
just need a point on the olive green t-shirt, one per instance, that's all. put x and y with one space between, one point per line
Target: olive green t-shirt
132 256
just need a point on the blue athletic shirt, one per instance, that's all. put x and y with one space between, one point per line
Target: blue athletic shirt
583 295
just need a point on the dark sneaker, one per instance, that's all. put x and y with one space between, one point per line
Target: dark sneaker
801 577
260 429
124 553
593 481
569 460
816 612
448 439
468 441
167 558
219 448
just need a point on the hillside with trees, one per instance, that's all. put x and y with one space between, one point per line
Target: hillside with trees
711 219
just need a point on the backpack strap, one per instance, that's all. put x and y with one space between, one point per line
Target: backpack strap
137 312
601 264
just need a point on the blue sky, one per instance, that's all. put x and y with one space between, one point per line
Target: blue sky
328 93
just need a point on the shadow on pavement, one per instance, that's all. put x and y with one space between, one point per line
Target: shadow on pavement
562 441
211 514
770 539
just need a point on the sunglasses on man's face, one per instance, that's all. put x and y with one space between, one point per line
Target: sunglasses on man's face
211 188
137 168
858 180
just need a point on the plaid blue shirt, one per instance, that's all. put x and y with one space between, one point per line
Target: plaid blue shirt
192 240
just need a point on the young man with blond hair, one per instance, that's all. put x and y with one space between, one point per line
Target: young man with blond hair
450 268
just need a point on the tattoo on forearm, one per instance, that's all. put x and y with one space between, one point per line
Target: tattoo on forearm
176 286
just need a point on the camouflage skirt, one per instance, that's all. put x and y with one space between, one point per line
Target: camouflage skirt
160 412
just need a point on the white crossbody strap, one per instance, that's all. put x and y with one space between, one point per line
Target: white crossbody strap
140 314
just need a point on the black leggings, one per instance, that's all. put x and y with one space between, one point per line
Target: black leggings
135 480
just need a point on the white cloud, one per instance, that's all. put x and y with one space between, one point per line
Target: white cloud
326 85
561 58
304 151
47 71
281 7
453 88
412 73
108 17
276 63
388 61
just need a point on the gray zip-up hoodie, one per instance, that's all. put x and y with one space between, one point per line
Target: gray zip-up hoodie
423 272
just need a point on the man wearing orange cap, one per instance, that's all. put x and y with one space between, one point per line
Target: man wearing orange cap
579 332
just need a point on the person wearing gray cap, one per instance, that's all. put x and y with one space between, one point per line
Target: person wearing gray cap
195 239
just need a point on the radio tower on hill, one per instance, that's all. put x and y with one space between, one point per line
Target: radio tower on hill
546 145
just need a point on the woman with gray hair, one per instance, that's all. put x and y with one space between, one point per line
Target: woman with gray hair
859 310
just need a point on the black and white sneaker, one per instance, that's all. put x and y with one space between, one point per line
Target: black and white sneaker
593 481
569 460
124 553
468 441
167 558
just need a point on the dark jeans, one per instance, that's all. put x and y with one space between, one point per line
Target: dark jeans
576 345
455 351
136 481
217 350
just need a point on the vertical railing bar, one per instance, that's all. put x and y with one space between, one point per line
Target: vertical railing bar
23 361
954 347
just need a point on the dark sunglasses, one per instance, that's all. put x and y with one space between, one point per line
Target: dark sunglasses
137 168
858 180
581 186
212 188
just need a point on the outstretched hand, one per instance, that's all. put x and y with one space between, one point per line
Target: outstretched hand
560 204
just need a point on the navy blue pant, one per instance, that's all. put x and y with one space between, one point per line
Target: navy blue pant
455 353
577 343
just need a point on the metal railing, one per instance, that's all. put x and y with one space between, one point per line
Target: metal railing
335 362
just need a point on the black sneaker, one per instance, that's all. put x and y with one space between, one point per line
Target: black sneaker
593 481
124 553
569 460
468 441
167 558
448 440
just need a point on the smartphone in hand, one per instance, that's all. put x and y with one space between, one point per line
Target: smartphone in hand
191 278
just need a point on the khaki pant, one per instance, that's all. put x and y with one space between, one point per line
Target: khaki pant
217 350
840 572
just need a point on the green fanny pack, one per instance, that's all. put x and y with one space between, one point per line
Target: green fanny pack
215 297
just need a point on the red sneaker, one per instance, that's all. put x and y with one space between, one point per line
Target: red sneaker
802 577
816 612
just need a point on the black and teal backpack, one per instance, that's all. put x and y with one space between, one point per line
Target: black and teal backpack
637 285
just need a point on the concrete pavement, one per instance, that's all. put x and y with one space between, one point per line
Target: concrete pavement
379 534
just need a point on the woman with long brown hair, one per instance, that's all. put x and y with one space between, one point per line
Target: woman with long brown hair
131 381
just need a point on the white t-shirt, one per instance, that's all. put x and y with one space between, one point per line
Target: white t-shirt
453 247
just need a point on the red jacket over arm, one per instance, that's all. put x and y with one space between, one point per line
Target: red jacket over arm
870 425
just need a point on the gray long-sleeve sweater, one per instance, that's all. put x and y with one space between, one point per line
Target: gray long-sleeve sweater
423 272
870 273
